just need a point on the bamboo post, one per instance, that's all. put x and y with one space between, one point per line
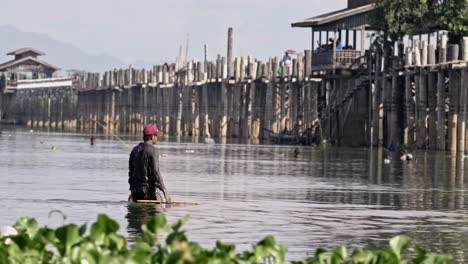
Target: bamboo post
409 102
376 101
393 126
421 132
453 98
443 48
417 52
464 55
241 96
464 87
206 130
130 75
462 101
224 99
236 95
440 110
432 99
424 50
166 91
300 94
229 53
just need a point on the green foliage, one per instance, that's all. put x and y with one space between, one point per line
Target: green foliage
392 255
410 17
402 17
167 243
452 15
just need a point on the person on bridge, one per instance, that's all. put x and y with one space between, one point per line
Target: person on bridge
144 176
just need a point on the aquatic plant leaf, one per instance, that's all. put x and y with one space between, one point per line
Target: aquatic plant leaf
67 236
433 258
319 251
362 256
148 235
141 253
267 249
268 241
21 240
156 222
102 228
340 253
43 237
176 236
225 248
82 229
104 245
117 243
421 255
28 224
105 224
399 244
179 223
430 258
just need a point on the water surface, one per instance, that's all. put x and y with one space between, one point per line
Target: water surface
326 199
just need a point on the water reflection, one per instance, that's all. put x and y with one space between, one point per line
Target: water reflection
138 214
328 198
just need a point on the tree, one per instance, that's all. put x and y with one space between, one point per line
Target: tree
452 15
410 17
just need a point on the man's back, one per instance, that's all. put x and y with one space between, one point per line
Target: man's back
144 174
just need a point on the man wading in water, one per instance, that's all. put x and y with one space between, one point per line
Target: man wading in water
144 176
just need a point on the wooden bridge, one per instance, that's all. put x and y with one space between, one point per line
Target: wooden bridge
356 96
408 99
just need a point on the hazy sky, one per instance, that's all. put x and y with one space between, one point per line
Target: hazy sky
153 30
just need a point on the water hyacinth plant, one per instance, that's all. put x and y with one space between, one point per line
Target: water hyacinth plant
167 243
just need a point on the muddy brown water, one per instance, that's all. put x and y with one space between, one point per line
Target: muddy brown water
326 199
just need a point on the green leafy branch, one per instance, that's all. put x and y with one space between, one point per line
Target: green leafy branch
168 244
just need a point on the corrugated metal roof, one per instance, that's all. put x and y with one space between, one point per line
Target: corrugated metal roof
323 20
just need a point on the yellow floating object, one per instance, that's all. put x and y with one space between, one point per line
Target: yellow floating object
53 148
164 155
164 202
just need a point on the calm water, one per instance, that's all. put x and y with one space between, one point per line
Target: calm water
327 199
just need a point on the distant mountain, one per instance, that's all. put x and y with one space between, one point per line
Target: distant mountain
63 55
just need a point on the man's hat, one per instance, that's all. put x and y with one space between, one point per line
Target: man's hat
152 130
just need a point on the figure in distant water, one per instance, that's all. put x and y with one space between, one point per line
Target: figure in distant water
144 176
297 154
92 141
209 140
406 156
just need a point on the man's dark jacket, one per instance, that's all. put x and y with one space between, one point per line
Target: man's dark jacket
144 176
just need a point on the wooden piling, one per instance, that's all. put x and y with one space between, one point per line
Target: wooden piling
441 117
376 97
230 70
464 87
453 98
421 89
239 97
224 97
432 98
